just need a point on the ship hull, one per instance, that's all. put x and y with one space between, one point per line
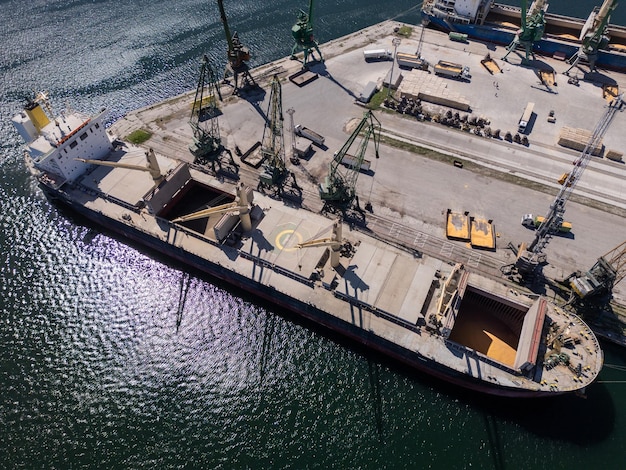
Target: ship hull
286 303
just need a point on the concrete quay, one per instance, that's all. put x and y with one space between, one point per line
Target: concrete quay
410 192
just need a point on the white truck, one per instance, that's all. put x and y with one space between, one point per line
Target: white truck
523 122
377 54
307 133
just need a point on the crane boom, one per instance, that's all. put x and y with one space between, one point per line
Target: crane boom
334 243
530 257
554 217
593 36
339 188
238 54
240 206
153 166
229 38
207 141
273 142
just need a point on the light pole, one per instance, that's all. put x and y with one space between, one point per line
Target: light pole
396 43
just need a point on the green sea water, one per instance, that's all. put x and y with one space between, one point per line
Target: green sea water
114 357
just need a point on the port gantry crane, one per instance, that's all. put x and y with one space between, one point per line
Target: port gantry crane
531 31
238 55
593 36
609 270
302 32
207 142
338 191
529 258
275 173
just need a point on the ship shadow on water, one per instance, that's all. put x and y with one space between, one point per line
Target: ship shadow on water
570 418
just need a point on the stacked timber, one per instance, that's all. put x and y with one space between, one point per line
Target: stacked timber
577 139
614 155
419 84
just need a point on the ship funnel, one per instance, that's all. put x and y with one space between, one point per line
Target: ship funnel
37 115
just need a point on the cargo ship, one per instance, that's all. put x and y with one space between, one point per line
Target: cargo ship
488 21
433 315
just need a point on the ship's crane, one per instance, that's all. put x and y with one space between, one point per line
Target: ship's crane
338 191
609 270
238 55
207 142
240 206
275 173
334 243
302 32
153 166
531 31
593 36
529 258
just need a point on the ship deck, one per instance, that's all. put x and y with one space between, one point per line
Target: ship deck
379 293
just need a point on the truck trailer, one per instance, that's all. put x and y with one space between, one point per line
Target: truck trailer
525 119
350 161
411 61
307 133
452 70
377 54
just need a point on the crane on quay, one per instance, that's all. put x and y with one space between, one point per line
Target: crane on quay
238 55
338 191
275 173
593 36
530 257
207 142
531 31
609 270
302 32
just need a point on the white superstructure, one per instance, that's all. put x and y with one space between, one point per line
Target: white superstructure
54 143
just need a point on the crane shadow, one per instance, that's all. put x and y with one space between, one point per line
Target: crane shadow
322 71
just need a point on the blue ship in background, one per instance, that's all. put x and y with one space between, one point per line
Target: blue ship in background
564 37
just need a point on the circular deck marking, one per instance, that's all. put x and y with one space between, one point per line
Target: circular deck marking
283 237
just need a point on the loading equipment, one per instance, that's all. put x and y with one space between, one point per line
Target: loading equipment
275 174
338 191
529 258
531 31
593 36
152 166
238 55
302 32
206 146
609 270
